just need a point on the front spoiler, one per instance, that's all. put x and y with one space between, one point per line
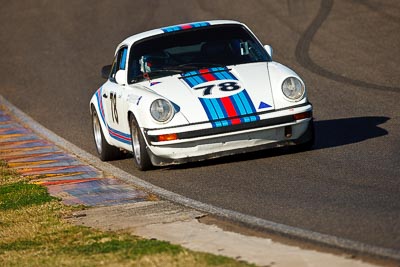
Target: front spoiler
306 137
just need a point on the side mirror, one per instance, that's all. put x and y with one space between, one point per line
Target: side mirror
269 50
105 71
121 77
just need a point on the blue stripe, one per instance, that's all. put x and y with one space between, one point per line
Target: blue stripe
120 139
223 74
121 133
198 80
217 124
189 81
113 133
226 123
171 29
98 96
228 75
245 119
218 68
190 73
208 107
200 24
205 107
219 76
239 104
249 106
253 109
217 107
233 77
245 102
214 112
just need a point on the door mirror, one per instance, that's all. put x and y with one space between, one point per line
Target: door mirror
120 77
269 50
105 71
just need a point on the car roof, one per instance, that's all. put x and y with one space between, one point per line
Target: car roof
134 38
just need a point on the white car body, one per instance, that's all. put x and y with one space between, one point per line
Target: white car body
218 110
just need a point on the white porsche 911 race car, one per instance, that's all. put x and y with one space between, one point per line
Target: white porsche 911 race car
197 91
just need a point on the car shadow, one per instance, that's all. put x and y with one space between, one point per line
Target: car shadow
329 133
339 132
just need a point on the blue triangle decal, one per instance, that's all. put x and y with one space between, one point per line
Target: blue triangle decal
263 105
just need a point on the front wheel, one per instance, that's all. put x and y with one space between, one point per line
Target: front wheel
141 158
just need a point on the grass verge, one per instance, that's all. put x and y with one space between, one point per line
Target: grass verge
33 233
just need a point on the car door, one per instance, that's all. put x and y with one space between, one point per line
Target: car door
112 98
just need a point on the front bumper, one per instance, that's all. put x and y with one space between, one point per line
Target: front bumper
200 142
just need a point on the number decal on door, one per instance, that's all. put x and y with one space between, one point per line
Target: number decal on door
114 112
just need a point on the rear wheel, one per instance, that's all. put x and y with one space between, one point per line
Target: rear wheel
141 158
105 151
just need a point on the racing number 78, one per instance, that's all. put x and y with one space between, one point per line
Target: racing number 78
225 86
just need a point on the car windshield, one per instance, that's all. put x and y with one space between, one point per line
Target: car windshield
187 50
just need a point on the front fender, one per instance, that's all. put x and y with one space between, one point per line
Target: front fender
139 103
278 73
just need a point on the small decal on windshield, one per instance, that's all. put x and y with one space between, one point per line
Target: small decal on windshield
185 26
154 83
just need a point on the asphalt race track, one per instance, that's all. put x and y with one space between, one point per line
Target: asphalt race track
51 53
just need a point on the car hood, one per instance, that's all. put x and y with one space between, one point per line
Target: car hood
222 95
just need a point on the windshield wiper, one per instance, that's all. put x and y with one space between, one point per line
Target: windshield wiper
165 70
201 65
175 70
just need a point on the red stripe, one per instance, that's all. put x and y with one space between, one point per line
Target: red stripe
209 77
235 121
186 26
118 135
230 110
205 73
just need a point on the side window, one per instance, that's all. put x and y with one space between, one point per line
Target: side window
119 62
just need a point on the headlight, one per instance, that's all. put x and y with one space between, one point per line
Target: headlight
161 110
293 88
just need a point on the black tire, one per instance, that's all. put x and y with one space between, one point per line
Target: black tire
105 151
141 158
